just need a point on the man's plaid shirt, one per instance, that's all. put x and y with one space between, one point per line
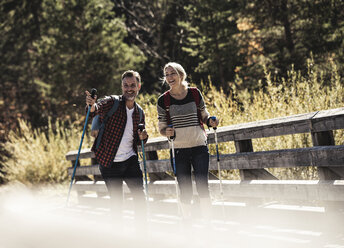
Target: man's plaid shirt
114 129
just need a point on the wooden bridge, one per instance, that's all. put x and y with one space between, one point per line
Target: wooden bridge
256 181
259 200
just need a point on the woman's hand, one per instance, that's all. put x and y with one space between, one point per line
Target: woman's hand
169 132
213 122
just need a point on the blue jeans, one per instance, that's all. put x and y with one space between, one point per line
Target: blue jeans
198 158
130 172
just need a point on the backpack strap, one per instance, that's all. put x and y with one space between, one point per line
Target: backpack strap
167 102
195 95
108 115
139 108
95 123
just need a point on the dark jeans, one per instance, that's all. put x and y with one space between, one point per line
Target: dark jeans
198 158
130 172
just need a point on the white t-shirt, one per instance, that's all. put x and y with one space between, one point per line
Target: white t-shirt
125 149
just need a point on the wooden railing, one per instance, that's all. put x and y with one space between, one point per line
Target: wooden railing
326 155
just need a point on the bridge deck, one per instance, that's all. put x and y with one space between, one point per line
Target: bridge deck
29 220
234 224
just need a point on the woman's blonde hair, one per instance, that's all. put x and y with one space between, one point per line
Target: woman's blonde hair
179 69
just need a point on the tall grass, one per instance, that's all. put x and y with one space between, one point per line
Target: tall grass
39 155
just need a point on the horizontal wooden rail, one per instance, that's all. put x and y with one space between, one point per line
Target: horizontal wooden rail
312 156
320 121
321 156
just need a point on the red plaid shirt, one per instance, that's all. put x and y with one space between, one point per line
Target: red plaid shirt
114 130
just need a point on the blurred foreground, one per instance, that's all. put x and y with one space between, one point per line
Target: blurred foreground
39 218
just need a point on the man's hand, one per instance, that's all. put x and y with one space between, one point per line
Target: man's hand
90 101
142 134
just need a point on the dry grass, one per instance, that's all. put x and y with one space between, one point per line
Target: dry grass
39 155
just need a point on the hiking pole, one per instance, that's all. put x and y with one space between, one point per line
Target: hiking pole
141 128
218 157
93 93
171 138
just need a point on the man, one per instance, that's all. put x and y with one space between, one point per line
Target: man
117 150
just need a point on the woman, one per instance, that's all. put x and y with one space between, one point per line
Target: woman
181 114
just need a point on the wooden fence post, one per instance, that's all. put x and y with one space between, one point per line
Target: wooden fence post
251 174
156 176
325 138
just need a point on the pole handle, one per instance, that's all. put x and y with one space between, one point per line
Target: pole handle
174 136
214 119
141 127
93 93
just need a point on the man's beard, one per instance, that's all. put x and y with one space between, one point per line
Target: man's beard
130 98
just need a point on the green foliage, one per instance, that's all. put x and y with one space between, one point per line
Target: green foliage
279 34
83 47
152 26
54 50
18 29
209 40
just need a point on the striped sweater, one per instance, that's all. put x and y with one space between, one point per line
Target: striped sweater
184 120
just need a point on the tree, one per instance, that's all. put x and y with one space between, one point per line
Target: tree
54 50
19 28
286 32
152 26
83 47
210 39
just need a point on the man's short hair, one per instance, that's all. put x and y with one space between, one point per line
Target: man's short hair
131 73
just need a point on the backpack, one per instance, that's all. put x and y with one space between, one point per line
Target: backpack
100 126
196 98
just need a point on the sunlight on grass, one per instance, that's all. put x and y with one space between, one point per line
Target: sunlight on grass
38 156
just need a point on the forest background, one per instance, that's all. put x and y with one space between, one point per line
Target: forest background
252 59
